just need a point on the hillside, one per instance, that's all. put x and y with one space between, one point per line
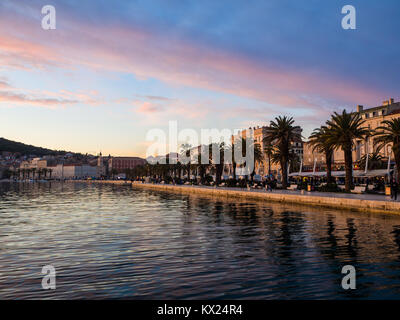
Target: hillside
26 149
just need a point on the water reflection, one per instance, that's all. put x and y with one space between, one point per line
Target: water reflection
111 241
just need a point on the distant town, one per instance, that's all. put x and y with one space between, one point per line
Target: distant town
43 164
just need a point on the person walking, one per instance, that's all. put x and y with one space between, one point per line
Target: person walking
268 185
394 189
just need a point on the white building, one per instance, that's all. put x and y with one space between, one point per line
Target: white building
71 171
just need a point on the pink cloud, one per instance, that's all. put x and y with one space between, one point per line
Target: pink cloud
21 54
149 108
28 100
4 84
180 63
47 99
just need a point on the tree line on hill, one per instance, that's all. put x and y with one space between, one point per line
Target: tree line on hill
26 149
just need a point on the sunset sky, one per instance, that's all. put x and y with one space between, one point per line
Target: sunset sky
112 70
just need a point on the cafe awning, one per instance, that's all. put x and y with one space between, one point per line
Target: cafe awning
338 174
372 173
316 174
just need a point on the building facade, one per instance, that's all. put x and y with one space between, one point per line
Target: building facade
311 156
266 165
121 164
373 118
74 171
35 163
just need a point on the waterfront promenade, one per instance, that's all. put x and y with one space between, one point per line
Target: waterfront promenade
358 202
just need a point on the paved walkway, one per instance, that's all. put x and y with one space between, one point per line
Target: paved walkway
372 197
360 202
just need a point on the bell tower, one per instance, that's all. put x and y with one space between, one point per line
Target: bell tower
100 160
101 169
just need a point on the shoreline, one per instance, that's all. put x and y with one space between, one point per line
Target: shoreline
317 199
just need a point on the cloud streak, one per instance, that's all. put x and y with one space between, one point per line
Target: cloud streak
149 108
4 84
176 61
16 98
46 99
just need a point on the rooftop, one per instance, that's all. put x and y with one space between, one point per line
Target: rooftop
390 103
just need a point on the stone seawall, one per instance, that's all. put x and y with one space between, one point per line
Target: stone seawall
343 201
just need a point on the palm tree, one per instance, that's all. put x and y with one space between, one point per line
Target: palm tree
154 169
269 151
218 164
45 170
201 168
343 130
258 158
185 151
149 169
114 172
128 173
231 148
282 133
33 173
375 161
389 134
28 172
140 170
321 142
166 168
293 159
178 167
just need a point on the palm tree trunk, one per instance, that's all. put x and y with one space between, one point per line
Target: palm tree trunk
269 165
284 172
328 160
348 162
234 170
397 160
218 173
